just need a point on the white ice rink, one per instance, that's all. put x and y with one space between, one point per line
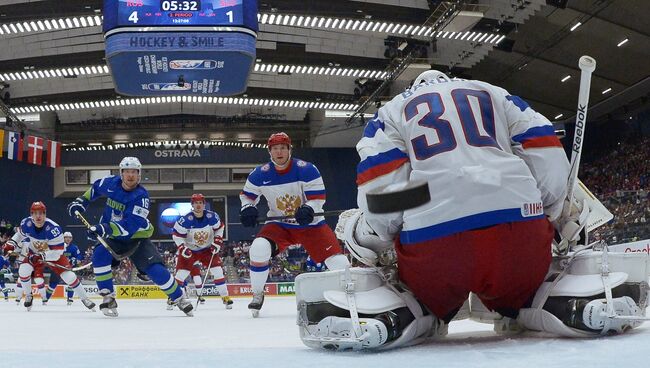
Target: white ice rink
147 335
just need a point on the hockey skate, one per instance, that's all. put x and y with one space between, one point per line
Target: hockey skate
44 301
342 335
170 304
184 305
227 302
86 302
256 304
29 298
201 300
6 298
108 305
69 301
596 315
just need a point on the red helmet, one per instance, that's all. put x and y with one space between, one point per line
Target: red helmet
279 138
197 197
38 206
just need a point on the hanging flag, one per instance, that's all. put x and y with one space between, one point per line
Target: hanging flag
53 154
15 147
35 147
2 142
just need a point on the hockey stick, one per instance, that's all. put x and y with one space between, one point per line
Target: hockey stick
587 66
73 269
205 278
324 213
104 242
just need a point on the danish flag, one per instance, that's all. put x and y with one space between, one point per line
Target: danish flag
35 146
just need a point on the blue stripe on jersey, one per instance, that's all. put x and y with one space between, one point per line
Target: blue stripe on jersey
250 195
379 159
463 224
540 131
373 126
269 177
518 101
314 192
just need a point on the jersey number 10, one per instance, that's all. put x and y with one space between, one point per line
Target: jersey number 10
446 139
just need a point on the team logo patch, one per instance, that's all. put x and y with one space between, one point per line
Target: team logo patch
201 237
40 246
288 204
48 228
532 209
190 217
209 215
302 163
29 224
266 167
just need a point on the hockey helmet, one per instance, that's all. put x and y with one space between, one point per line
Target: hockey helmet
279 138
197 197
38 206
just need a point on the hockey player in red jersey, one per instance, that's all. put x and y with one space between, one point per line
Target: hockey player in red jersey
292 188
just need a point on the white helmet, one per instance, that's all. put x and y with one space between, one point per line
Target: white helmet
431 76
131 163
67 234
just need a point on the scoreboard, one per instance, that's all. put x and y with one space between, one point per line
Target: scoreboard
180 47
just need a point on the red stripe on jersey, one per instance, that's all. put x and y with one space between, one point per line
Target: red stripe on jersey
179 235
315 196
57 247
380 170
541 142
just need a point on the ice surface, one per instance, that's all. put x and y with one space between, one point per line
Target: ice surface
147 335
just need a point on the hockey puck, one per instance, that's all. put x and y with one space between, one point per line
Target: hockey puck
398 197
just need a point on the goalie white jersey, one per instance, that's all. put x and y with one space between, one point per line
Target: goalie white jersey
286 190
488 156
198 233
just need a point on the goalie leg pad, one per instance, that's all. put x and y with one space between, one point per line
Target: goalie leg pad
387 317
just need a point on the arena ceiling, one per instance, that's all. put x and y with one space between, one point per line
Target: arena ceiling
301 59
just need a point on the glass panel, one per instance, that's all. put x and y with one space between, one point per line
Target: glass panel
218 175
171 176
76 177
194 175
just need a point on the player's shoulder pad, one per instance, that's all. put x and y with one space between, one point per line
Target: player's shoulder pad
108 181
257 175
306 170
212 217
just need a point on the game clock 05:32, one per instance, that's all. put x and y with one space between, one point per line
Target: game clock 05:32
180 5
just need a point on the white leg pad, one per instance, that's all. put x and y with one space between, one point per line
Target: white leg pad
541 320
636 265
337 262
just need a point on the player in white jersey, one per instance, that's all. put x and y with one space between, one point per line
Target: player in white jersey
292 188
199 237
497 177
44 239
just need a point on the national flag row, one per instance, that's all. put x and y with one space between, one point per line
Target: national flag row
36 147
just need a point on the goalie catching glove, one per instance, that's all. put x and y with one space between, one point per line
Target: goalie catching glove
362 241
571 227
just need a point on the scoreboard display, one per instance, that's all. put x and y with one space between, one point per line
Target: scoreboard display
178 12
180 47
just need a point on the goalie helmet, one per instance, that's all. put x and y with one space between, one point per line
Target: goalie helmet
197 197
37 206
279 138
431 76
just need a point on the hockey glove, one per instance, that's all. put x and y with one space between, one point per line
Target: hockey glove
304 215
362 241
184 251
216 244
36 259
76 206
248 216
100 230
9 248
571 227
